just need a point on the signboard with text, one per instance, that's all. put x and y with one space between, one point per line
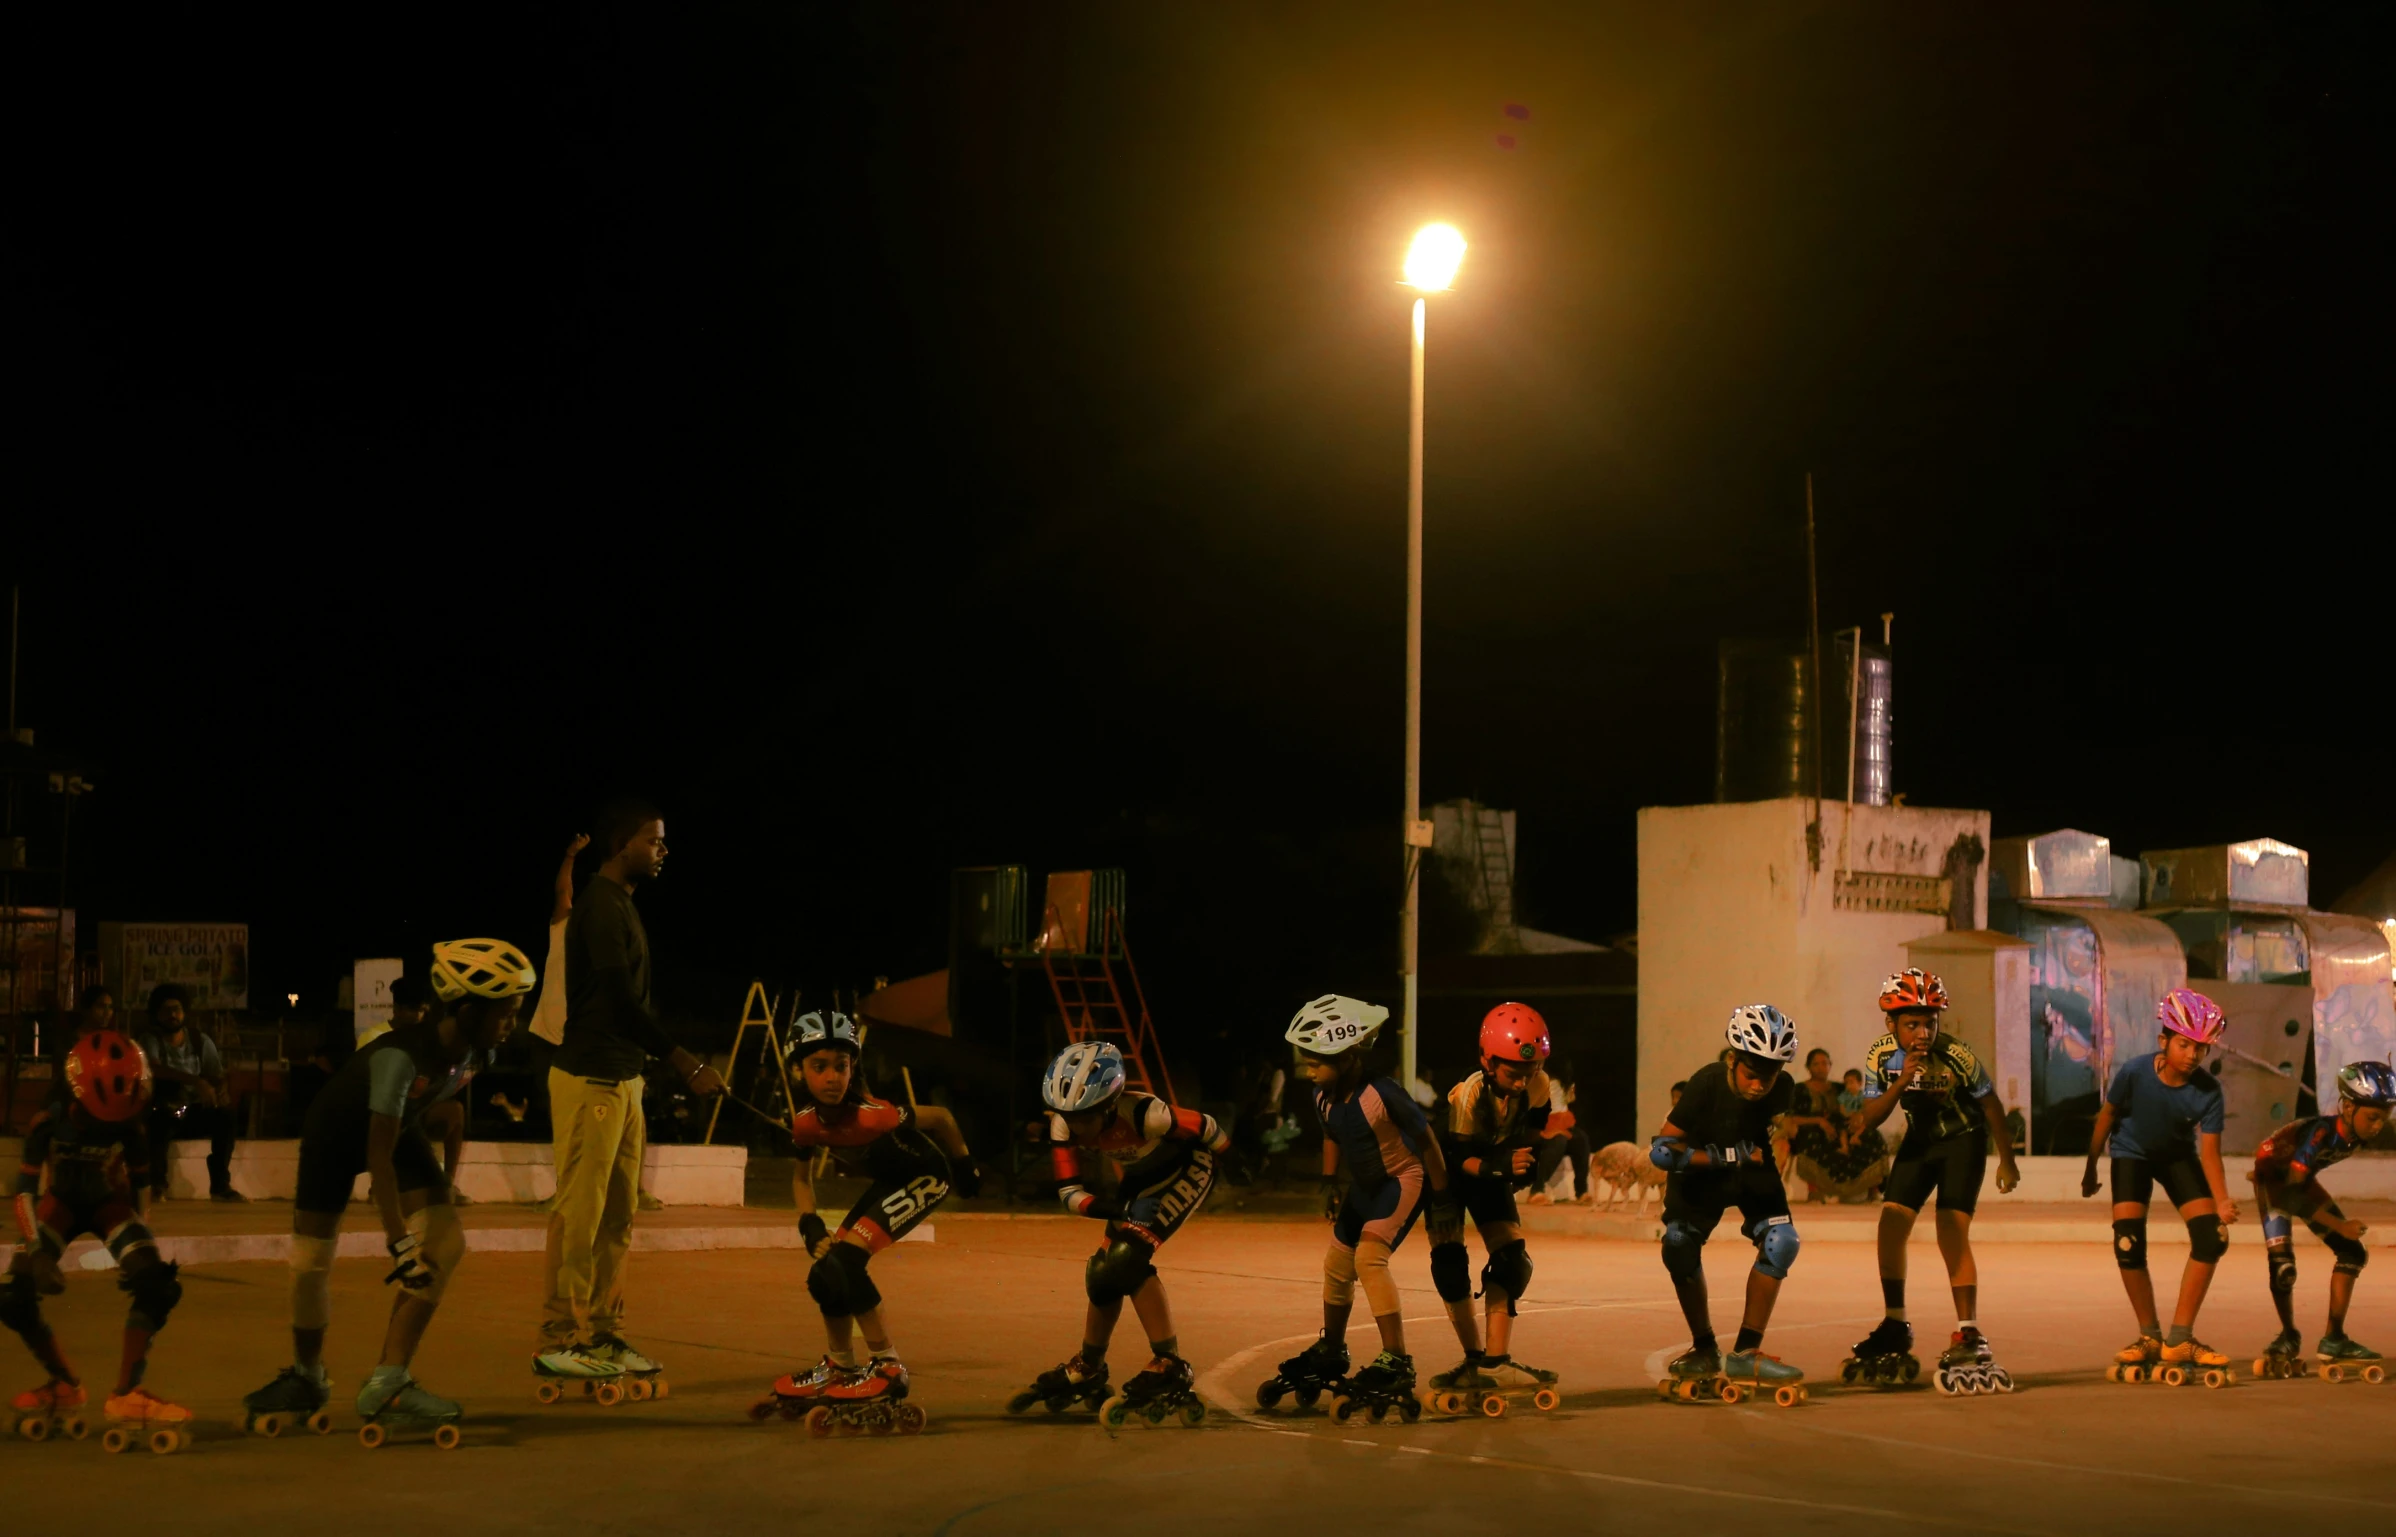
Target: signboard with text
211 959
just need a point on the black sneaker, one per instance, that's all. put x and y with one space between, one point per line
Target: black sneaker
228 1194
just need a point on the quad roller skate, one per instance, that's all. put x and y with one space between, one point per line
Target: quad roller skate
1320 1368
296 1397
1155 1396
642 1379
393 1401
2193 1361
2283 1357
1072 1384
1693 1371
1385 1384
795 1392
870 1399
580 1369
1498 1382
1748 1372
53 1409
1460 1387
140 1415
2344 1360
1883 1358
2137 1361
1967 1366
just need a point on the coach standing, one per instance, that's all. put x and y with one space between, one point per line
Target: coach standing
611 1031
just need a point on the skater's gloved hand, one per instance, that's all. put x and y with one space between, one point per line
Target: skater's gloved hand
813 1234
1104 1210
410 1268
1747 1152
2349 1228
1330 1199
1521 1160
1445 1217
1715 1157
966 1176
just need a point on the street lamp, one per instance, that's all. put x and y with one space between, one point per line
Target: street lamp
1431 264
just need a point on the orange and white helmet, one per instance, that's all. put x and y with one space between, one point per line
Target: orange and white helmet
1912 988
1513 1032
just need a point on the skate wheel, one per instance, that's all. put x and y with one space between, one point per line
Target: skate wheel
1909 1369
912 1419
1193 1413
2263 1368
660 1388
33 1429
2332 1372
2113 1373
1155 1413
848 1425
75 1426
1377 1413
636 1391
1307 1397
371 1435
879 1425
1686 1392
2217 1379
1268 1393
267 1425
1114 1412
1545 1400
548 1393
608 1394
1788 1396
2375 1375
1343 1409
1451 1402
1493 1406
1727 1391
765 1409
1411 1410
446 1437
819 1421
115 1440
1663 1387
1940 1381
2133 1374
165 1443
1848 1370
2174 1377
1056 1405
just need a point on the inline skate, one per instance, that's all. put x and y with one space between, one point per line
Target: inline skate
1155 1395
1884 1357
1386 1383
1967 1366
1075 1383
1320 1368
871 1399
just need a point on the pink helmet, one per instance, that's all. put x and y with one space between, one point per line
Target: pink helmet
1513 1032
2184 1011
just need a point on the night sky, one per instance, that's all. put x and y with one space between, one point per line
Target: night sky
897 438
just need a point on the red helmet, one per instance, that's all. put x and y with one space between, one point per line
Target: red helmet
1912 988
108 1075
1513 1032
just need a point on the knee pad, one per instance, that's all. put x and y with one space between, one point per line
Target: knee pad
1684 1251
154 1291
21 1307
1372 1272
2351 1256
2129 1242
1776 1247
2206 1240
444 1245
1339 1276
1508 1272
1116 1271
1450 1276
839 1284
2280 1255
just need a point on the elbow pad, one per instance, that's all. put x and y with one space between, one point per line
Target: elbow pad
1669 1154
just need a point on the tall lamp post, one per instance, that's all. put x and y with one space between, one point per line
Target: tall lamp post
1431 265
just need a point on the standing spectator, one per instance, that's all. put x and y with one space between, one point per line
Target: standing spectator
190 1100
598 1134
1554 1150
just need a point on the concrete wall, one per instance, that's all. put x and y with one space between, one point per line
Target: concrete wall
678 1174
1730 913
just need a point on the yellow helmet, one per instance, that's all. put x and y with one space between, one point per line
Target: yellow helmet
486 968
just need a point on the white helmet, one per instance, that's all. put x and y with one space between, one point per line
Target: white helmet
486 968
1083 1077
824 1027
1761 1030
1331 1024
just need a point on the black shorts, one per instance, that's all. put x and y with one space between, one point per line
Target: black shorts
1697 1198
1488 1201
328 1174
1162 1191
2182 1179
1951 1168
895 1203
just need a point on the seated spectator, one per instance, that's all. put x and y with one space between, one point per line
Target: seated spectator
1822 1151
1575 1146
1851 1097
188 1097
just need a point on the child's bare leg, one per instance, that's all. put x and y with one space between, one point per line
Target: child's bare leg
2139 1285
1098 1324
2341 1294
1156 1316
1963 1272
869 1324
1762 1292
1497 1307
2197 1277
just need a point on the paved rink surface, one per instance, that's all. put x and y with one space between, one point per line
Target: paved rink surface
991 1303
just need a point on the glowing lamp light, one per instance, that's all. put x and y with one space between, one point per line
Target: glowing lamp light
1432 260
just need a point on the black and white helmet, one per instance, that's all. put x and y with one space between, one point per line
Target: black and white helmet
824 1027
1332 1024
1761 1030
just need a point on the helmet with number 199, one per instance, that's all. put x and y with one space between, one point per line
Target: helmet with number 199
1513 1032
1332 1024
2185 1011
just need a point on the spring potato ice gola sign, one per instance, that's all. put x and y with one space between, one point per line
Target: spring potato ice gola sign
212 959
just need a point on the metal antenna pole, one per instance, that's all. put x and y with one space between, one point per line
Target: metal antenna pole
1813 635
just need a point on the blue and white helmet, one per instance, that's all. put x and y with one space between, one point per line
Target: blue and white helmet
1761 1030
1332 1024
2368 1083
1083 1077
824 1027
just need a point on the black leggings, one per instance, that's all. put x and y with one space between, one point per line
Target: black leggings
2182 1179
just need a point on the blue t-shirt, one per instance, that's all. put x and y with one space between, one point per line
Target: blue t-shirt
2156 1121
1380 1132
